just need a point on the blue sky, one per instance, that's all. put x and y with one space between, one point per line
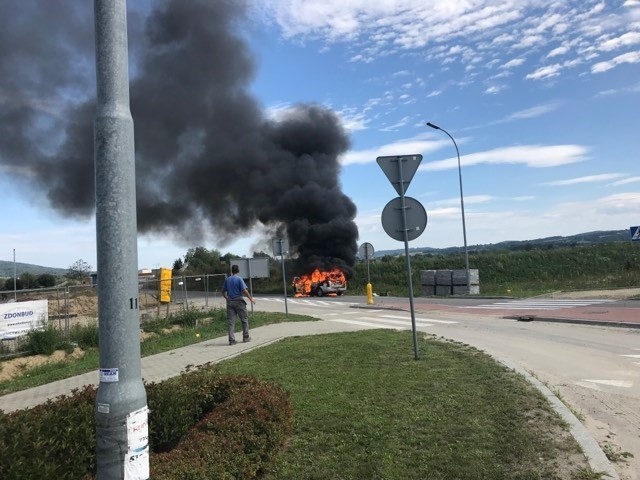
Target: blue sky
542 97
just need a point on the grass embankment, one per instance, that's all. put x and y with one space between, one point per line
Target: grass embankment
365 409
166 334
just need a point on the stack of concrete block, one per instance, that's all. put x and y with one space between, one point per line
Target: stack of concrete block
443 283
459 282
428 282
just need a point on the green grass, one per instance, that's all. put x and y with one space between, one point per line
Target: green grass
211 324
365 409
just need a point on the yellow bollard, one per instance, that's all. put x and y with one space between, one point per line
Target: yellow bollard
369 294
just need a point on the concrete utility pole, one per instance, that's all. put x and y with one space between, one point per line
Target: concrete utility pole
122 446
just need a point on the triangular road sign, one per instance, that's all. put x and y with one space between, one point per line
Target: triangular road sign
392 166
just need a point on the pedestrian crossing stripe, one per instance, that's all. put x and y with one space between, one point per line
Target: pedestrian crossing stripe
549 304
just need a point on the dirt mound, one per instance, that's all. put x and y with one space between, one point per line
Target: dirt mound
18 366
84 305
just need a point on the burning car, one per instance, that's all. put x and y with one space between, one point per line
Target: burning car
320 283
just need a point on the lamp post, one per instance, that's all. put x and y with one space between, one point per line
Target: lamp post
15 282
464 227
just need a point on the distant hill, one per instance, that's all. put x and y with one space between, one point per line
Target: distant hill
6 269
589 238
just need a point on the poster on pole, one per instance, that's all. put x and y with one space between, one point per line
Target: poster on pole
165 285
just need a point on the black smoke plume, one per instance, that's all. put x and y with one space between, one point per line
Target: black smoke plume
209 164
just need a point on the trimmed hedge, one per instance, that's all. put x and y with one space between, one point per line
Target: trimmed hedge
201 425
238 439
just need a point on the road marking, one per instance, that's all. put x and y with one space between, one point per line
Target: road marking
343 313
631 356
406 321
549 304
610 383
307 301
363 324
404 317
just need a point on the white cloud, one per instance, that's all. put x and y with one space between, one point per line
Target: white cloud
543 73
516 62
493 89
557 52
625 181
403 122
409 146
460 32
629 57
534 112
537 156
619 91
588 179
629 38
352 120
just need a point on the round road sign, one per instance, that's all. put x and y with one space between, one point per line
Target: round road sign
366 250
392 219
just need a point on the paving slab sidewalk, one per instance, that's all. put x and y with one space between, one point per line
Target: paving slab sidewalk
161 366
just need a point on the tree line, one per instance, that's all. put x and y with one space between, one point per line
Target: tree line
521 272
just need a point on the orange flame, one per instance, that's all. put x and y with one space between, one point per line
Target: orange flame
303 285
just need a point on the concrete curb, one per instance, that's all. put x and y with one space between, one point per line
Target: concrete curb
595 456
577 321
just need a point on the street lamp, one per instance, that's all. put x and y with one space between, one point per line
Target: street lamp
464 228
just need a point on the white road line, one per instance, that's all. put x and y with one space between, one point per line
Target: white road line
363 324
404 317
406 322
610 383
307 301
631 356
540 304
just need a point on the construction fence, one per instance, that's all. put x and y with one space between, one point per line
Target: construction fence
66 305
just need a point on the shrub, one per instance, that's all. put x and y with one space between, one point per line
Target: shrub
43 341
180 402
157 325
242 414
238 439
52 440
86 336
187 318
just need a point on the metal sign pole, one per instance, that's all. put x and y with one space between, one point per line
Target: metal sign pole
206 291
186 293
366 256
406 252
122 448
284 280
250 282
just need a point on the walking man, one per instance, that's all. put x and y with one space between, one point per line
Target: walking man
233 290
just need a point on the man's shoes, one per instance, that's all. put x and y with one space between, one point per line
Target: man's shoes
232 342
246 339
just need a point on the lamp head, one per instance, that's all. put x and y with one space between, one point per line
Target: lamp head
433 125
